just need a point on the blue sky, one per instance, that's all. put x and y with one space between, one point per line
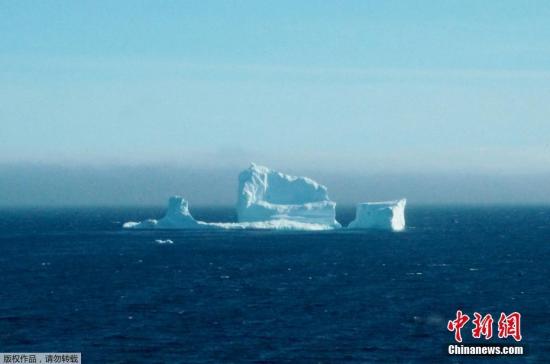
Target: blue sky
357 86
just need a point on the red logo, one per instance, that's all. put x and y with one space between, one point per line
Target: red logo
508 325
483 326
458 324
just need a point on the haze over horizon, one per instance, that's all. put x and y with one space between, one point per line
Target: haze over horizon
50 185
127 103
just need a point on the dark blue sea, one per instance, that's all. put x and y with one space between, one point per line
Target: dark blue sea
71 280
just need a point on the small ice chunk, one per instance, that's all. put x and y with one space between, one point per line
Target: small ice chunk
167 241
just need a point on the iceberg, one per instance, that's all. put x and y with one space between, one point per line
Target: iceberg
266 195
388 215
273 200
267 200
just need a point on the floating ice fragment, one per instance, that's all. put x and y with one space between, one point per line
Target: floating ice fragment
167 241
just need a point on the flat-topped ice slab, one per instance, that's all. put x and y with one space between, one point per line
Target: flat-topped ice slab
387 215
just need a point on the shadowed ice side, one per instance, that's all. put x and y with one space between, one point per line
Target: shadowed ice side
272 200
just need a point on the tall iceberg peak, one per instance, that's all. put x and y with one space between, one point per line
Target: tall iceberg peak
389 215
266 195
178 213
177 217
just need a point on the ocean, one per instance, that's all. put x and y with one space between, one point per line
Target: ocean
72 280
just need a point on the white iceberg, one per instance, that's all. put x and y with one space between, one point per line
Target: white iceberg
266 195
272 200
267 200
388 215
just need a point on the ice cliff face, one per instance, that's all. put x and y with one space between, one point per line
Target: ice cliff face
389 215
266 195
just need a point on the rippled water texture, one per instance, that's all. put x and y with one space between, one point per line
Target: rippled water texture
72 280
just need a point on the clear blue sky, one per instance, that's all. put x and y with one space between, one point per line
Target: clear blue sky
377 86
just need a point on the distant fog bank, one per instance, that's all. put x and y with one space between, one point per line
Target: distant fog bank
50 185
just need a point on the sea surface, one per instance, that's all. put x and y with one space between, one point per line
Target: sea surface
71 280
